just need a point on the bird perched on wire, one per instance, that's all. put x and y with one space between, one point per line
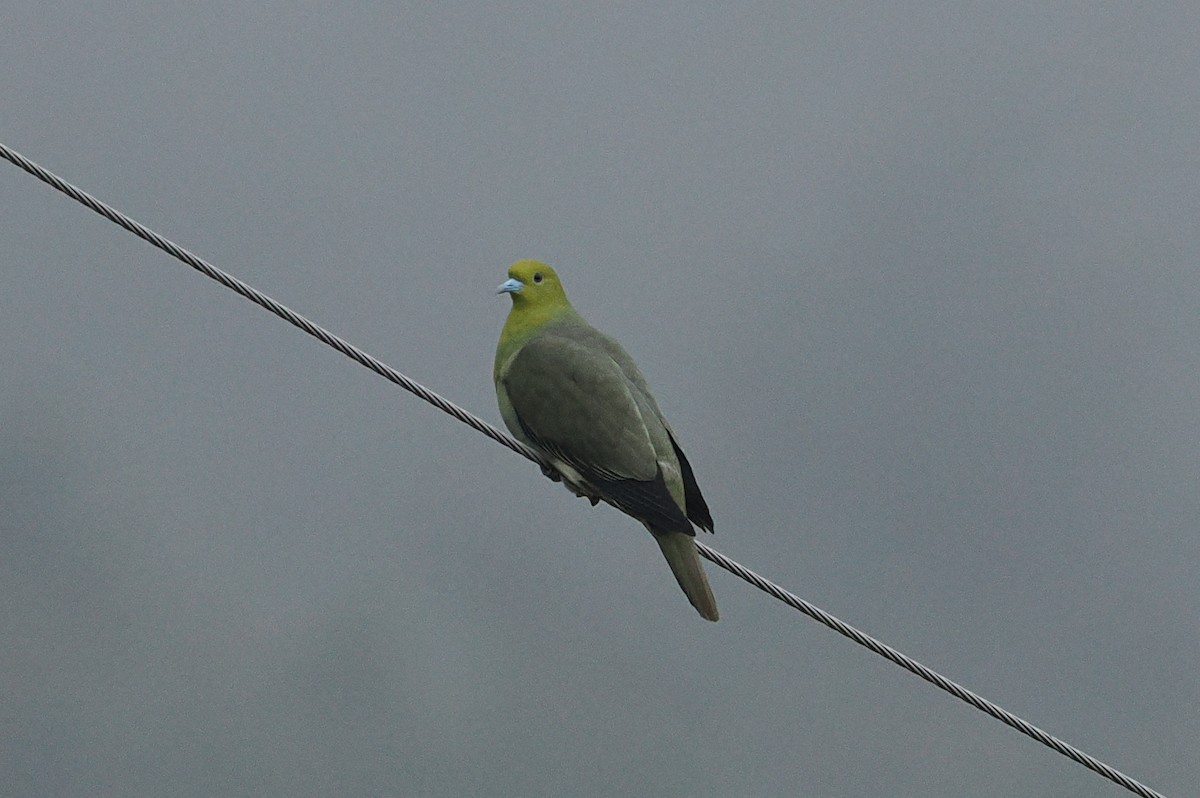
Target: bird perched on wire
573 394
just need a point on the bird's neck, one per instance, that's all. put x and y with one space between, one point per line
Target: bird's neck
523 322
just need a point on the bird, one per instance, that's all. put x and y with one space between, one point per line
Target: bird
575 396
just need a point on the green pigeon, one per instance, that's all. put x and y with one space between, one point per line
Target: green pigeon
573 394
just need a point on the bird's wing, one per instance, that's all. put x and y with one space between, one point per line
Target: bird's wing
697 508
574 402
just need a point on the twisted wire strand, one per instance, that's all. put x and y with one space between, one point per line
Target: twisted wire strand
931 676
446 406
254 295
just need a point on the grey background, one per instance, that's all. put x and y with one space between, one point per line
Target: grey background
917 285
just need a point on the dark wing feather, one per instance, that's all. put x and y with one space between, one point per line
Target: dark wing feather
649 502
697 508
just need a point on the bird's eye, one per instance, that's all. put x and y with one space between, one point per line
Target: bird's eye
537 277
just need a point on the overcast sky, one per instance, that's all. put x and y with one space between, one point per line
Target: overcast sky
916 284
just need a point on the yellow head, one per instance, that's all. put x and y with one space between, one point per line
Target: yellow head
537 300
534 286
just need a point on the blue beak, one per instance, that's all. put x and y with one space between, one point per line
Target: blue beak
510 286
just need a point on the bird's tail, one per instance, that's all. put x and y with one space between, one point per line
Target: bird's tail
680 551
